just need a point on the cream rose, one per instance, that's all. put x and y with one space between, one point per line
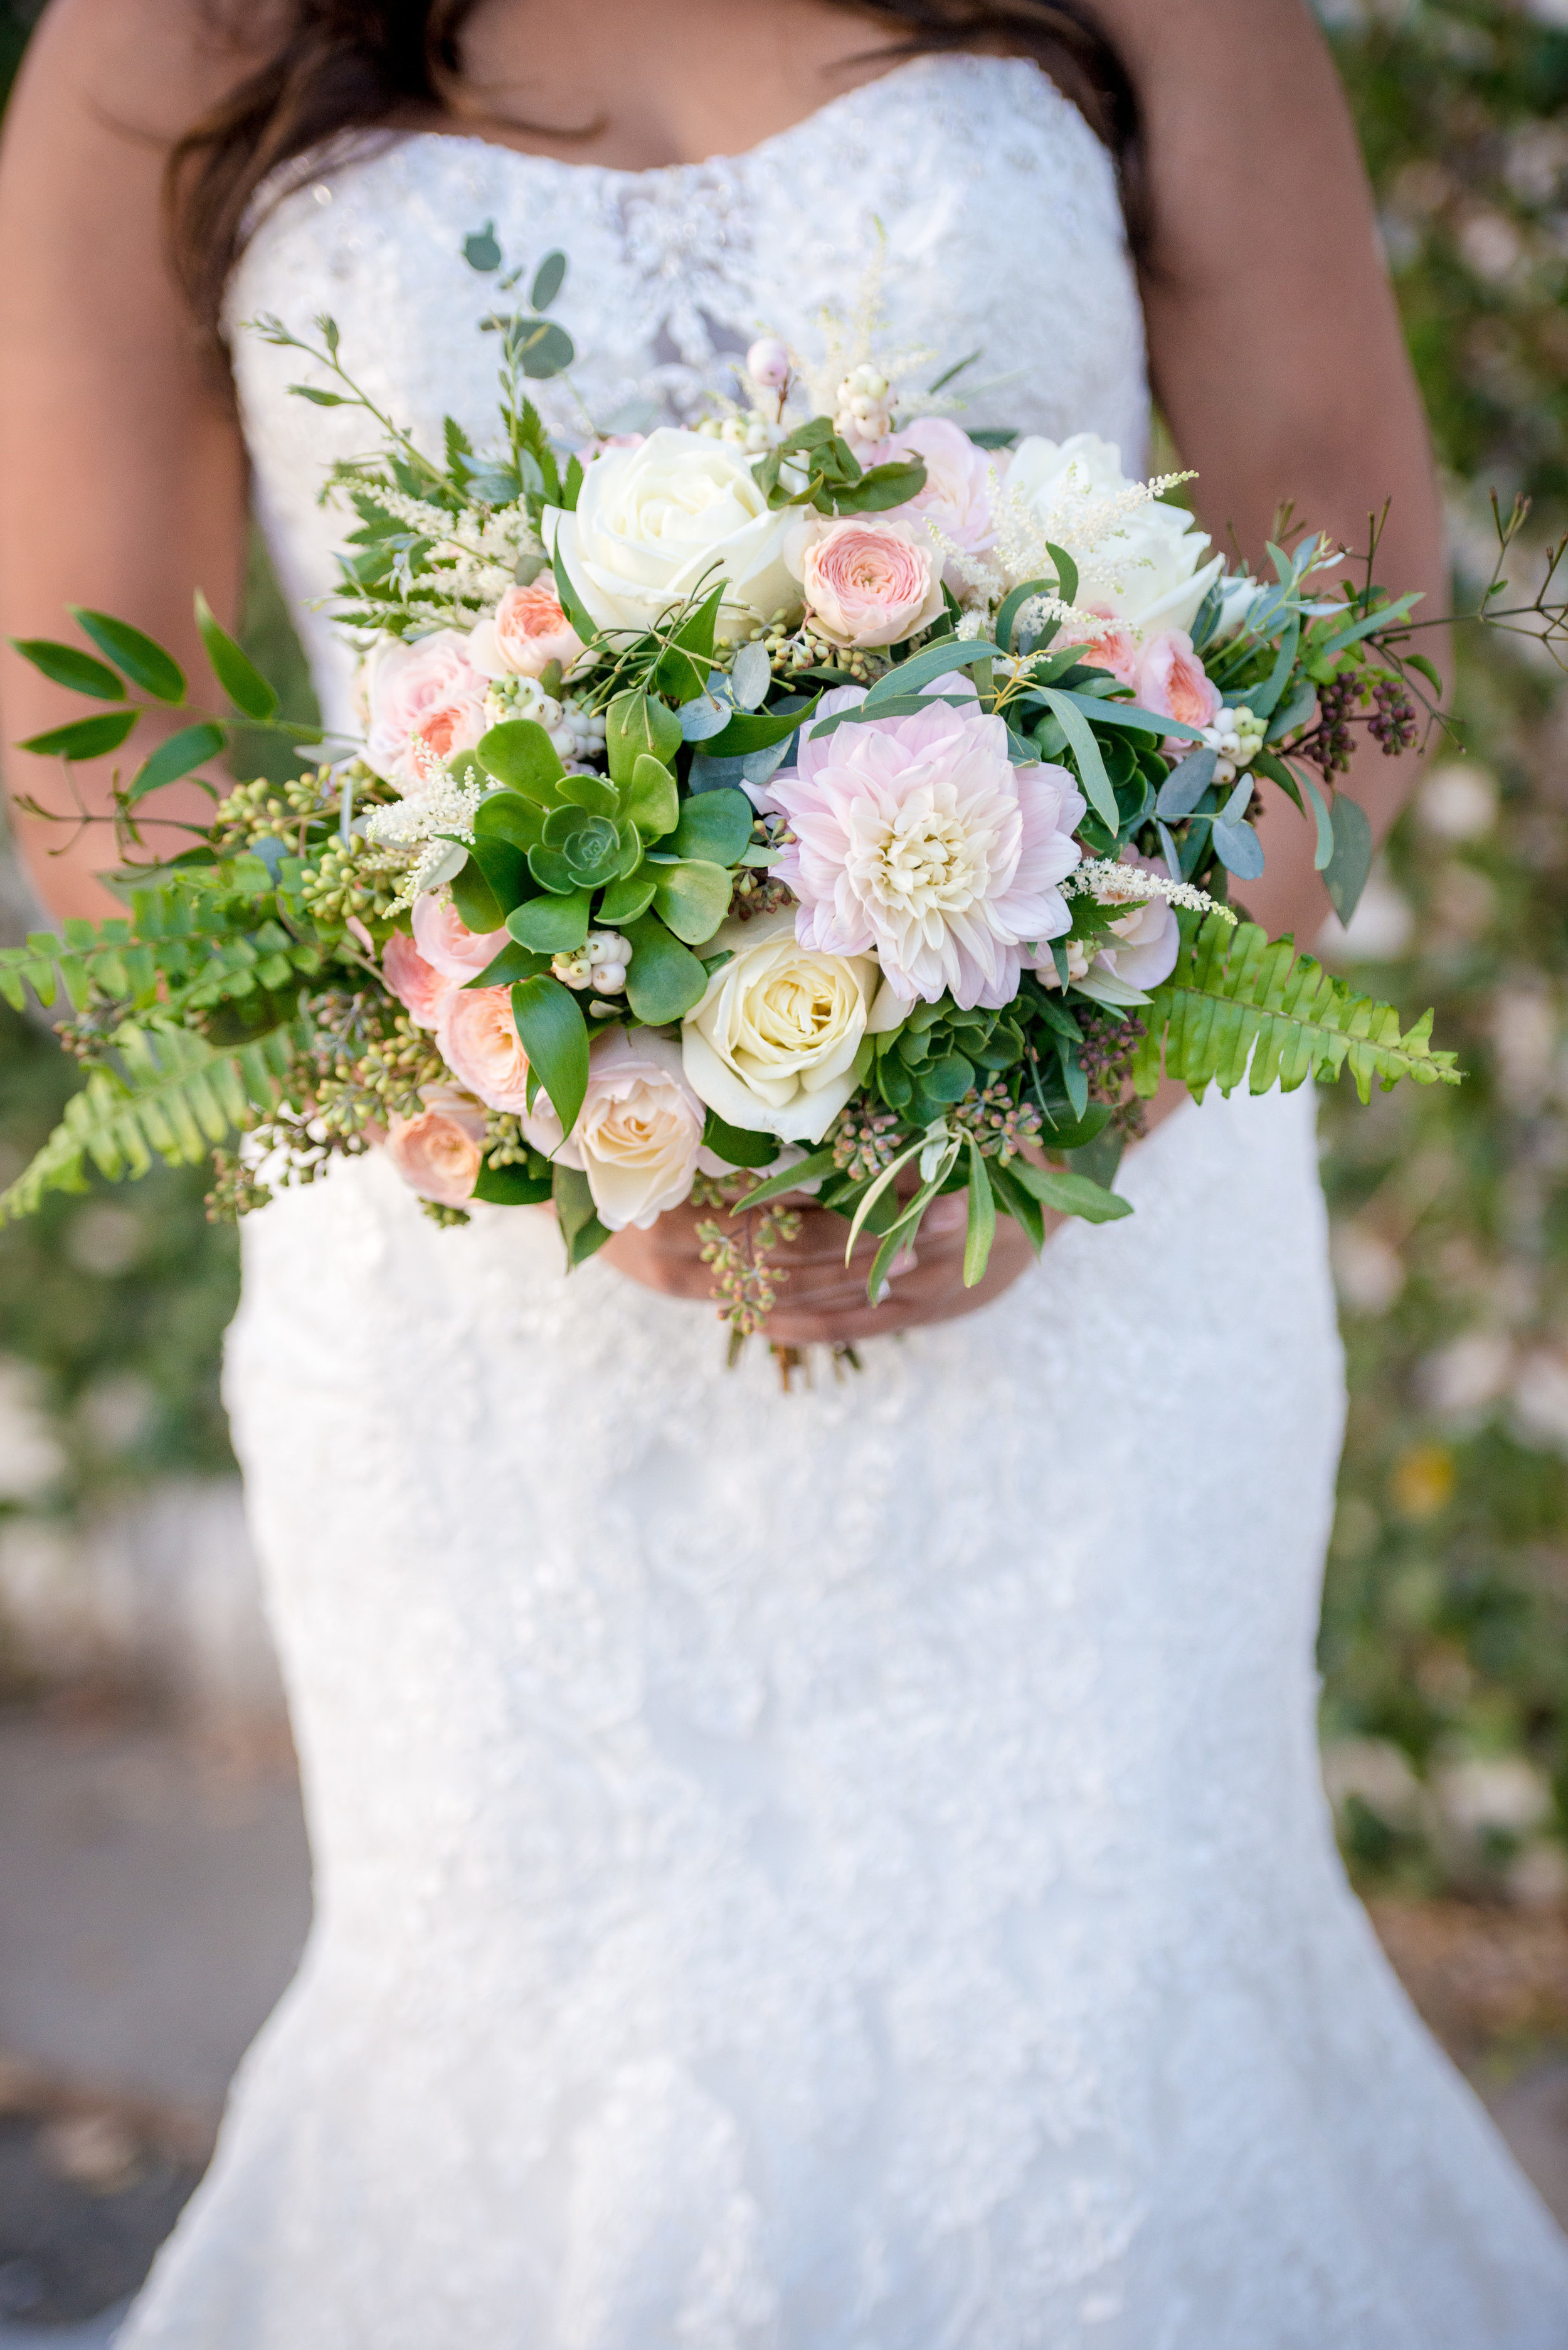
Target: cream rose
427 688
776 1043
438 1153
1154 559
480 1045
526 631
639 1135
655 524
867 583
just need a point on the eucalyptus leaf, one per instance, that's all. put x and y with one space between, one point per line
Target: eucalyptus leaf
1345 873
1087 752
547 280
1186 784
751 676
706 714
480 251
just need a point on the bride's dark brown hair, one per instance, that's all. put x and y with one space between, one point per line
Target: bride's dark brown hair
346 65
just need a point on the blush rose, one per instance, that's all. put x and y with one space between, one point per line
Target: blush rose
527 631
428 688
438 1153
868 583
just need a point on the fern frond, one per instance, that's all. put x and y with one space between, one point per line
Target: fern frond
1236 1006
173 1096
84 956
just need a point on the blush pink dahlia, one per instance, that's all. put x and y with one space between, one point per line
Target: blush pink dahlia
917 839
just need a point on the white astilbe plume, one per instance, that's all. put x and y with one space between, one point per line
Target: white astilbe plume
437 810
1112 884
475 552
1087 523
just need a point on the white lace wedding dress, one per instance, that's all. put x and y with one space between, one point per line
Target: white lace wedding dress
842 1871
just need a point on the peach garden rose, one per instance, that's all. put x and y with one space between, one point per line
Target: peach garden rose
438 1153
426 687
480 1045
526 631
869 582
419 986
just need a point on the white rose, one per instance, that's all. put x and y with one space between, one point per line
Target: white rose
1157 578
637 1135
655 524
776 1043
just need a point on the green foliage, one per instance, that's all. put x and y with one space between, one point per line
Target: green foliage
1236 1006
167 1094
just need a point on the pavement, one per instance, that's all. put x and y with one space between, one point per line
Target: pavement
156 1896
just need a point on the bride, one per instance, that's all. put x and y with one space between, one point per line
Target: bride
880 1899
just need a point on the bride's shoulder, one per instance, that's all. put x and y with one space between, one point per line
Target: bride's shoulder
149 67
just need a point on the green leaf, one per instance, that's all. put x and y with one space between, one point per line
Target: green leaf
173 1096
476 901
234 669
1065 709
83 738
1012 604
981 1227
635 724
67 666
190 748
319 399
145 664
1262 699
816 1164
757 730
742 1145
692 897
919 670
541 348
1344 876
571 603
552 925
665 979
683 671
883 486
590 792
520 754
1236 1006
650 800
511 1186
513 964
628 898
1070 1194
716 825
511 817
575 1211
547 280
1066 573
554 1036
480 251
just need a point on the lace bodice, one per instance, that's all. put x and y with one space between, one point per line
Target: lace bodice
965 190
844 1871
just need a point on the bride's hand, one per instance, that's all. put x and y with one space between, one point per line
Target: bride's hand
824 1300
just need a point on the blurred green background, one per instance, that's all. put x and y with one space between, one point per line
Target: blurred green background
1445 1637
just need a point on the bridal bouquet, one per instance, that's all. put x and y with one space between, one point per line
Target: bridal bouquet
822 799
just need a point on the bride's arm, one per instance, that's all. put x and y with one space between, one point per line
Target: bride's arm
1276 356
122 479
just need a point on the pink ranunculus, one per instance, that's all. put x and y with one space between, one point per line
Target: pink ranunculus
480 1045
429 687
444 939
639 1133
438 1153
526 631
419 986
917 838
1172 681
1107 642
868 582
956 495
